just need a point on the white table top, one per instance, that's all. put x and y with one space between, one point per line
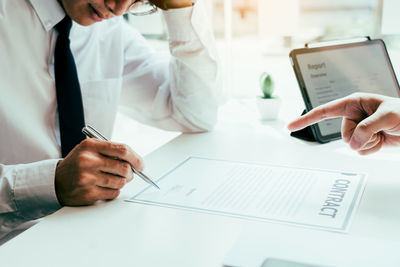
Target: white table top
120 233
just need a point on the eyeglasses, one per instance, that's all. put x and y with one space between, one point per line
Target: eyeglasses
142 8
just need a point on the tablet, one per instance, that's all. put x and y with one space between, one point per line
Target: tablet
331 72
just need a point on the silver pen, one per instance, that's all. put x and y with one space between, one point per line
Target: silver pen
92 133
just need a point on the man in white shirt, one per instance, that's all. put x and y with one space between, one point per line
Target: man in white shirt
174 92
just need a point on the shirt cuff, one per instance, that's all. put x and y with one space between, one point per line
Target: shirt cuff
34 191
190 24
179 24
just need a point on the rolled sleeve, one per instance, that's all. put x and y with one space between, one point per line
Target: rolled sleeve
179 24
190 23
180 92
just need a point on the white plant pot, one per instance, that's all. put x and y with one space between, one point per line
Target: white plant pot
269 107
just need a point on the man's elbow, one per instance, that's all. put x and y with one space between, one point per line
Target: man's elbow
208 126
204 120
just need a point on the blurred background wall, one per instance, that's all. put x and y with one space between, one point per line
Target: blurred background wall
258 35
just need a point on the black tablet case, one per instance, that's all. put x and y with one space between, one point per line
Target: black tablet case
304 134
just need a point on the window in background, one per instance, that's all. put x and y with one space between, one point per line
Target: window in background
316 19
261 28
256 35
340 18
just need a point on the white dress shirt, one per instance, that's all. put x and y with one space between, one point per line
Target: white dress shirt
174 92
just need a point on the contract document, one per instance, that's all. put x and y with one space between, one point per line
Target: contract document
303 197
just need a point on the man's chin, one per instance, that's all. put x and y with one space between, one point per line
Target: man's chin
85 17
84 21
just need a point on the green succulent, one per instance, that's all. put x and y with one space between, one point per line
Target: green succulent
267 85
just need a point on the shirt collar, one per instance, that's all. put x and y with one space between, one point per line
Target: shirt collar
49 12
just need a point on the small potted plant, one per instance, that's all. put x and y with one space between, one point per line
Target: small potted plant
268 104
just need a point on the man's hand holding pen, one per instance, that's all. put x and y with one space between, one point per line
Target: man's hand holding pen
95 170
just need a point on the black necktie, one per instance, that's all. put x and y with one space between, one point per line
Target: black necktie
69 98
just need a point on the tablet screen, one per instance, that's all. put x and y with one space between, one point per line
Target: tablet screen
334 73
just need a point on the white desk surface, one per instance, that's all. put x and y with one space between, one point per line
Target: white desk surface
119 233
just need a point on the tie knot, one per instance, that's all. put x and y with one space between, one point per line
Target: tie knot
64 26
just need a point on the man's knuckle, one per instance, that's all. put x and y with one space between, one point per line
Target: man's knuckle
363 127
118 183
83 179
119 9
87 143
348 104
125 169
80 182
83 158
119 12
123 150
84 144
108 163
116 193
324 113
107 181
136 162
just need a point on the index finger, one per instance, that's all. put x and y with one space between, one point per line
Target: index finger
115 150
332 109
125 153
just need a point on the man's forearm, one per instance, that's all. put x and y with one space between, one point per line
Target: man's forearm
194 70
180 92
